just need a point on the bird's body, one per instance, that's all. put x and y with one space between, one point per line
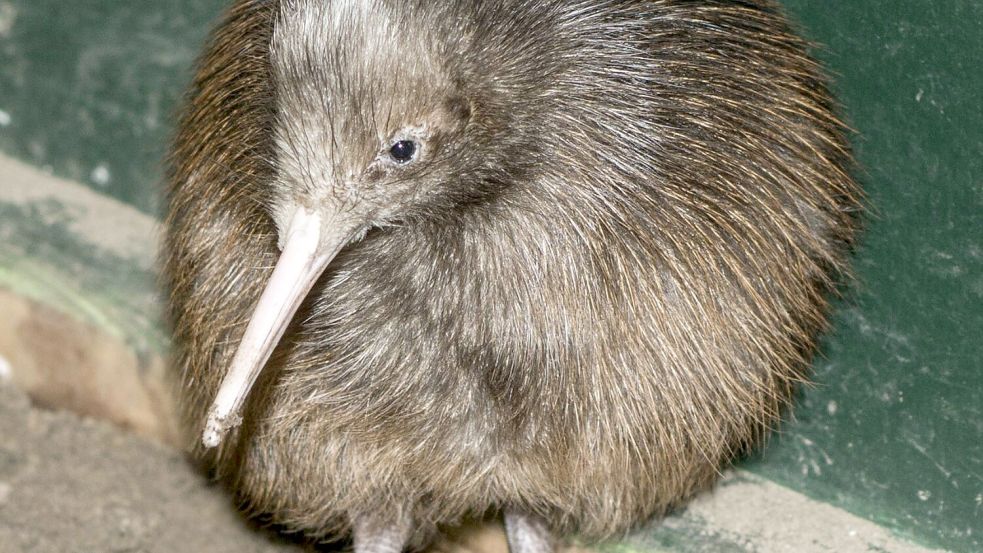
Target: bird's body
596 275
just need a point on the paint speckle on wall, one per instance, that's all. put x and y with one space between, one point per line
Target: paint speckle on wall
101 175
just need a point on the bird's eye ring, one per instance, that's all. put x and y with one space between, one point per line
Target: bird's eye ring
403 151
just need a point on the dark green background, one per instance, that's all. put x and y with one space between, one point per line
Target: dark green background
893 429
896 423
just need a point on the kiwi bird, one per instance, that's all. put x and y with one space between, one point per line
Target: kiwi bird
559 259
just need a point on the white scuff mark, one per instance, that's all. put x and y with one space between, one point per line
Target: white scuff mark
832 407
5 118
6 369
8 15
924 495
919 95
921 449
813 449
155 110
891 338
101 175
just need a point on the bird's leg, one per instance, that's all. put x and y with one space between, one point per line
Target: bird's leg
527 534
381 535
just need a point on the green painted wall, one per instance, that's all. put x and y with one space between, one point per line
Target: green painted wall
893 429
88 88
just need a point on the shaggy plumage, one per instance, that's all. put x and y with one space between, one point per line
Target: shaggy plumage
599 280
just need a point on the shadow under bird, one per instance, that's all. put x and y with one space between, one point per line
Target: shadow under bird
561 259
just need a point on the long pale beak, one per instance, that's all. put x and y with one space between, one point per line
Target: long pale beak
307 250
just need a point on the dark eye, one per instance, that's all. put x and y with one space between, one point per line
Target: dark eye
403 151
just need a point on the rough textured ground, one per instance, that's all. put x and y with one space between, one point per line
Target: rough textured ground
77 485
70 484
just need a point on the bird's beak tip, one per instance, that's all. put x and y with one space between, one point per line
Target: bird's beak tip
307 249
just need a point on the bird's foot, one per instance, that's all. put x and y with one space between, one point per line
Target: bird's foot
527 534
376 535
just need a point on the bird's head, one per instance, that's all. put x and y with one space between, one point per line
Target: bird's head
377 122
